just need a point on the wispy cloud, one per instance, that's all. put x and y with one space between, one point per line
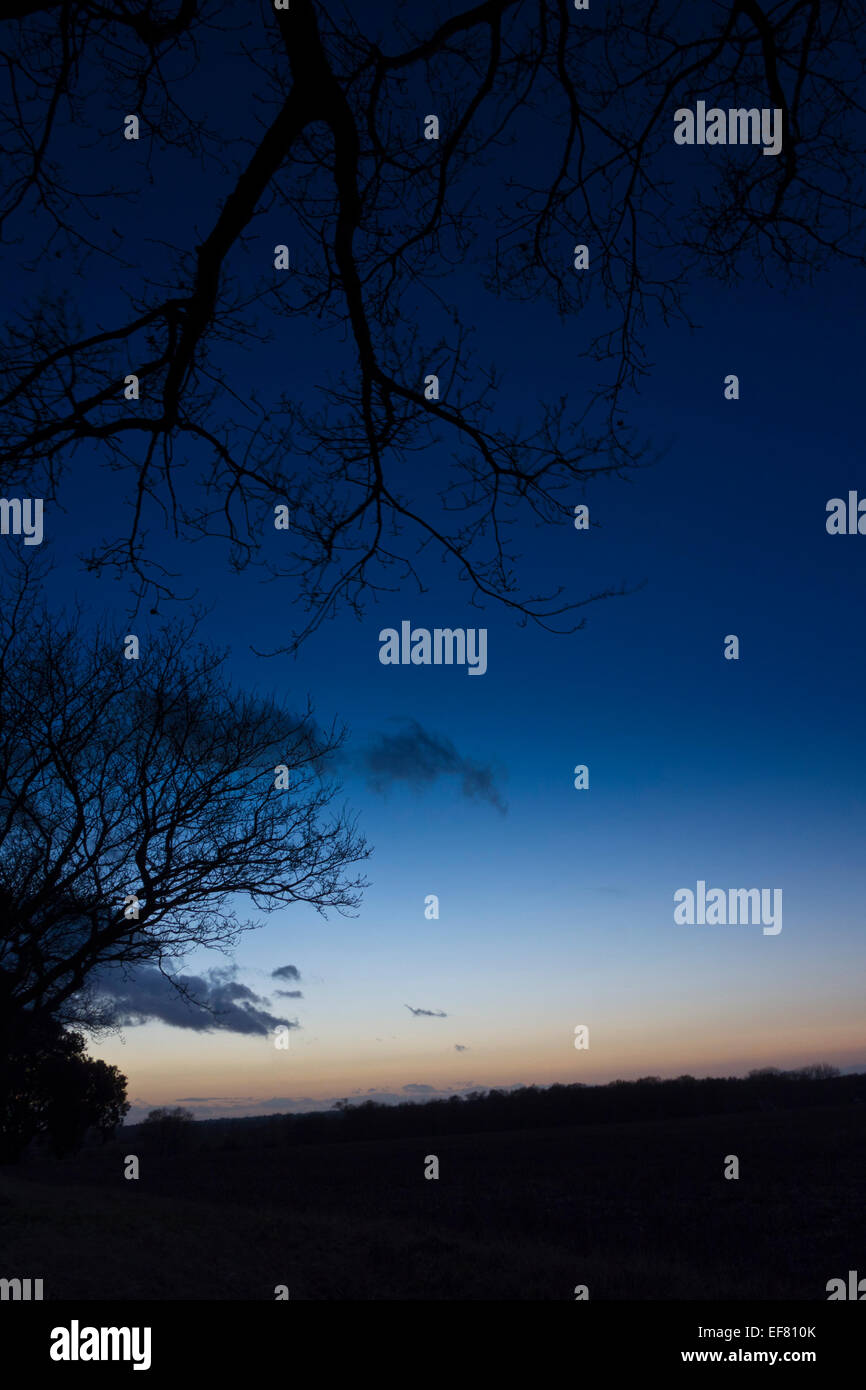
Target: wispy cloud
418 757
425 1013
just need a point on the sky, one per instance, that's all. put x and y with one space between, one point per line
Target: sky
556 905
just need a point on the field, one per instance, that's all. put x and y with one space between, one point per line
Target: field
633 1211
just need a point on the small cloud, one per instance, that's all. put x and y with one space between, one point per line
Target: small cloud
290 993
206 1100
286 972
459 1047
419 1088
425 1013
420 758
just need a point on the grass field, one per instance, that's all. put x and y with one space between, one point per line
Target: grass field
633 1211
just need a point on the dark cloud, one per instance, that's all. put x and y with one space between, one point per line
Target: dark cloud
418 1087
459 1047
418 757
425 1013
216 1003
290 993
286 972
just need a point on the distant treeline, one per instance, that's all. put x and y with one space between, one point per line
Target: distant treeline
535 1107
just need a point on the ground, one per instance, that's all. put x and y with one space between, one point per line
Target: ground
633 1211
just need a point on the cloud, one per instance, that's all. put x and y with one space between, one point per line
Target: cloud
419 758
286 972
217 1002
459 1047
418 1087
205 1100
291 993
425 1013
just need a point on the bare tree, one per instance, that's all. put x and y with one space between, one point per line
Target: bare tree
139 800
555 127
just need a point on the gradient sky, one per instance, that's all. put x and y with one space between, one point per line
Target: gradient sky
558 909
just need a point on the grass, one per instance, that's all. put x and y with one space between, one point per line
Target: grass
634 1211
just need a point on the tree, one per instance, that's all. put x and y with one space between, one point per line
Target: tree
49 1086
560 120
138 799
822 1071
167 1114
169 1126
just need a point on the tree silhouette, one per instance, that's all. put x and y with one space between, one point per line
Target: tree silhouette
169 1127
48 1086
555 127
138 801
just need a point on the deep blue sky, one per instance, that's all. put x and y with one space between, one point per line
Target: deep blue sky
559 910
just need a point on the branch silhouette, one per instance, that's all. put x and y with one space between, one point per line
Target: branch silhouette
560 120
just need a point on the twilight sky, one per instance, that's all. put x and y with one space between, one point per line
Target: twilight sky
556 905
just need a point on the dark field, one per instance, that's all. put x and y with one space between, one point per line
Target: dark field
637 1210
